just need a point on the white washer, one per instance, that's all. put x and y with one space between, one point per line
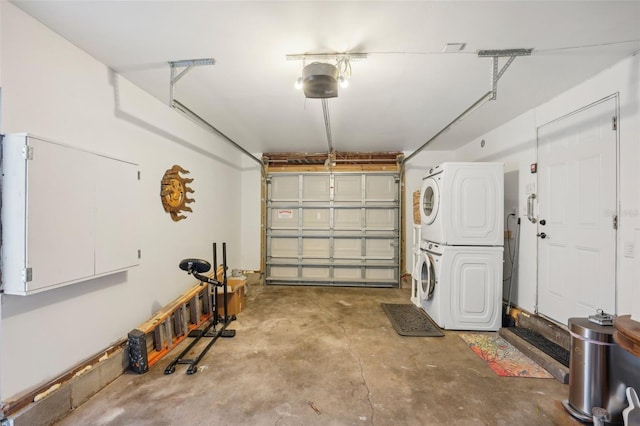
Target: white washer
461 286
463 204
428 291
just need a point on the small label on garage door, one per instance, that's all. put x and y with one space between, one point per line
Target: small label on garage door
285 214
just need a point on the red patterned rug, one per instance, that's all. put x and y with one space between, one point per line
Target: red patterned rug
502 357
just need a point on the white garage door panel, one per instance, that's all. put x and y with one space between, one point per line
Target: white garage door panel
381 219
315 218
381 188
315 188
348 188
315 272
283 218
380 249
351 274
347 219
315 248
347 248
333 229
284 247
285 188
284 272
379 274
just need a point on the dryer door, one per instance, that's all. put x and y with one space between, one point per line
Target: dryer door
429 201
427 277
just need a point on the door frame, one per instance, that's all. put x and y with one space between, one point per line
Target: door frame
616 97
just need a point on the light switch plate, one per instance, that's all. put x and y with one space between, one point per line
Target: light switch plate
629 249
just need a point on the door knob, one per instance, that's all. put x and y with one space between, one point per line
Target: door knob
542 235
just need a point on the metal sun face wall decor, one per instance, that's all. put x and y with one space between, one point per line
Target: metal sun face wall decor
174 190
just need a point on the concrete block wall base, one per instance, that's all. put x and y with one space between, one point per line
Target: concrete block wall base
64 397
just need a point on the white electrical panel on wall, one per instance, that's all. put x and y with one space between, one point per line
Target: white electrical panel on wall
68 215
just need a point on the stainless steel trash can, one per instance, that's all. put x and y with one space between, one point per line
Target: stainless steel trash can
591 376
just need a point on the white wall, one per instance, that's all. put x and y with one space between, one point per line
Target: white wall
250 216
53 89
515 144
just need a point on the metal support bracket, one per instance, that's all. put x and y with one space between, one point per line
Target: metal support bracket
495 54
188 65
489 96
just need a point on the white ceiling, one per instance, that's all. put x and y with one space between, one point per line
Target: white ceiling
399 97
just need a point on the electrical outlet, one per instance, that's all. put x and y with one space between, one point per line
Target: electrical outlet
629 249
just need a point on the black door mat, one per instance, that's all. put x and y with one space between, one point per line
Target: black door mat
555 351
409 320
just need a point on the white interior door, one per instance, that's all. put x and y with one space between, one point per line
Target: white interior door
577 198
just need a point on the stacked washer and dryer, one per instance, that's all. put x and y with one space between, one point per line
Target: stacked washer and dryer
458 274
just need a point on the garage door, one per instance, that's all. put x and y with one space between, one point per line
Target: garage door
333 229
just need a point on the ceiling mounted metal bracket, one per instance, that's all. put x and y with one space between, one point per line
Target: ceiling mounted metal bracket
188 65
496 54
504 53
489 96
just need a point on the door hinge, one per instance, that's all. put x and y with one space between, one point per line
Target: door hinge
27 275
614 123
615 221
27 152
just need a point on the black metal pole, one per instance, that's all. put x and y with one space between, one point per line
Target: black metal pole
224 280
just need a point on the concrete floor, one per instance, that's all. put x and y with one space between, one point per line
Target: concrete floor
300 349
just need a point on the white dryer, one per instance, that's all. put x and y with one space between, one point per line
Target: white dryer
461 286
463 204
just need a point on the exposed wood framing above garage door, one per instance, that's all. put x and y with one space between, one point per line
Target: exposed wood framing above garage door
334 223
366 160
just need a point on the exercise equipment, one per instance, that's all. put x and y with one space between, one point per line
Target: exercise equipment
197 267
